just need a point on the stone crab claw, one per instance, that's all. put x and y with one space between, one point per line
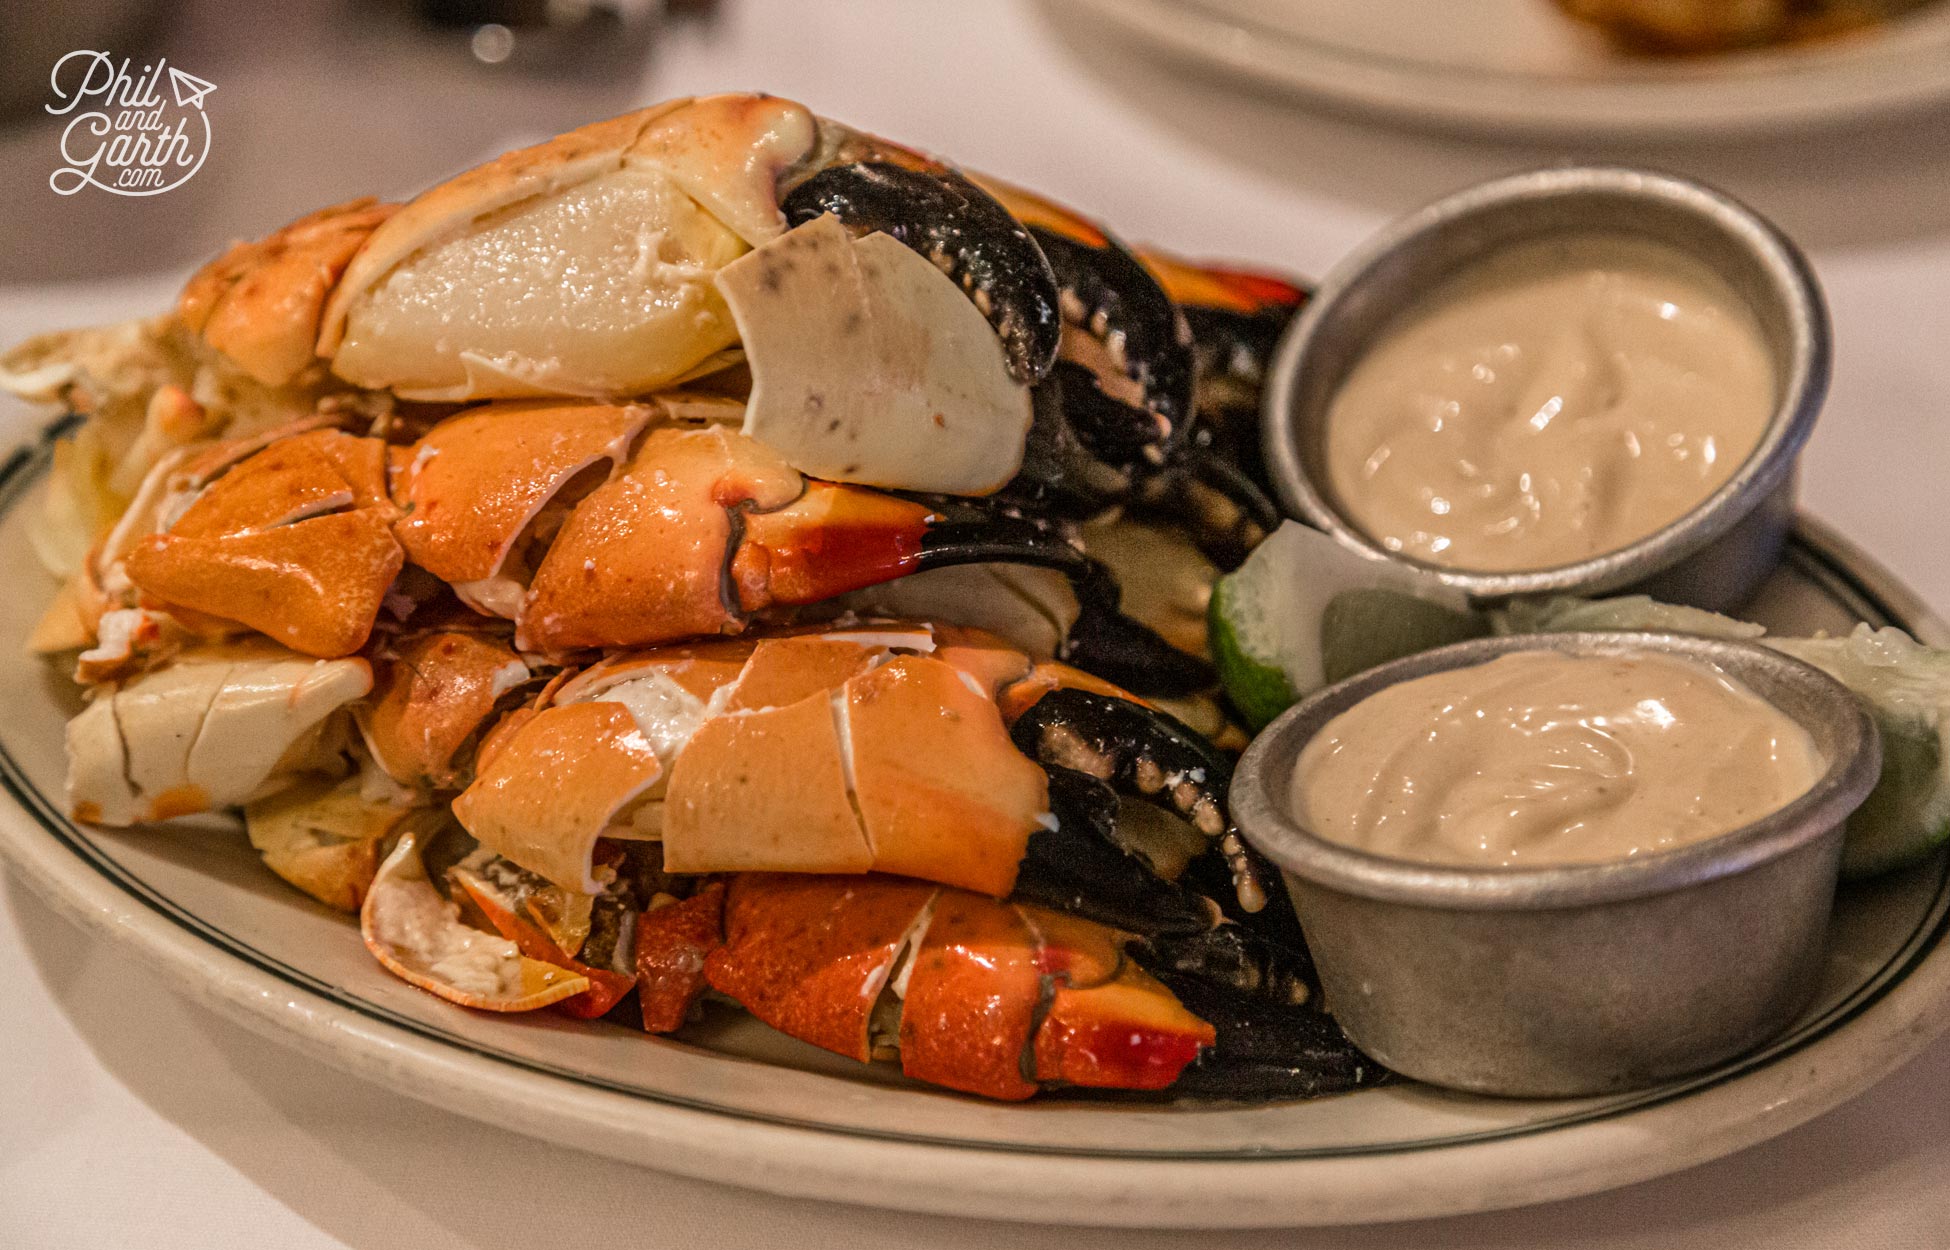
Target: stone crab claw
982 996
416 934
587 531
806 753
640 213
216 727
605 526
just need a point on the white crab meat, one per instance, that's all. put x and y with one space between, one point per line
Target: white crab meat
417 935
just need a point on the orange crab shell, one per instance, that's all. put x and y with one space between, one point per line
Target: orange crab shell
1234 290
971 999
765 789
848 777
315 585
290 535
435 694
942 791
809 955
473 484
1129 1033
550 788
260 303
606 988
997 1000
640 559
672 944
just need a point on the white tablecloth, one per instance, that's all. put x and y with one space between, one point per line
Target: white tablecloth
130 1118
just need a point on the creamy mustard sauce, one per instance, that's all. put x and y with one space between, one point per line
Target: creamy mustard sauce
1539 758
1561 400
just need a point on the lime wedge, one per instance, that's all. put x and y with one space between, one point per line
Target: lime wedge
1568 614
1303 612
1907 689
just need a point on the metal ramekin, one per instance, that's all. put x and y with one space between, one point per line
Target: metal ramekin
1715 555
1581 979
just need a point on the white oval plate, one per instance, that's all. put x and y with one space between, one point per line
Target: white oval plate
1522 67
734 1102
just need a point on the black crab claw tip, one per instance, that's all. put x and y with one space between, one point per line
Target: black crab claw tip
1103 640
959 227
1109 295
1149 755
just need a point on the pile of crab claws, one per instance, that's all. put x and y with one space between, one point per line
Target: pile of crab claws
674 937
993 999
605 989
417 935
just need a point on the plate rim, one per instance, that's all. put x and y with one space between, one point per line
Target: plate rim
1768 93
1901 1015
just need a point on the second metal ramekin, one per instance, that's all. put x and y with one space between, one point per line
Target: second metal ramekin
1713 557
1586 978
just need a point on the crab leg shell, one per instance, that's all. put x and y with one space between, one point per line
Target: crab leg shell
212 729
942 792
642 558
315 585
672 943
606 988
322 837
417 936
765 789
476 480
550 790
810 955
830 540
431 697
1128 1033
970 1007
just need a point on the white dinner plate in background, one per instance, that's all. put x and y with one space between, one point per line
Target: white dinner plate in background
1522 67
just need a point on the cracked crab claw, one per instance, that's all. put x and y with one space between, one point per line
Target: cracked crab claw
216 727
322 836
295 541
431 698
481 481
563 777
417 935
702 529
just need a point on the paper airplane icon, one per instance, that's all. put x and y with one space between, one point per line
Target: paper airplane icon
189 89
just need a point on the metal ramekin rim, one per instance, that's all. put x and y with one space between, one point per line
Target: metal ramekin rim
1764 469
1851 773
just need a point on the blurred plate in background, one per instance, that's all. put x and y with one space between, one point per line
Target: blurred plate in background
1522 67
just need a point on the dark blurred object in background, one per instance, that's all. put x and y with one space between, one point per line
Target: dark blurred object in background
34 36
549 35
315 102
